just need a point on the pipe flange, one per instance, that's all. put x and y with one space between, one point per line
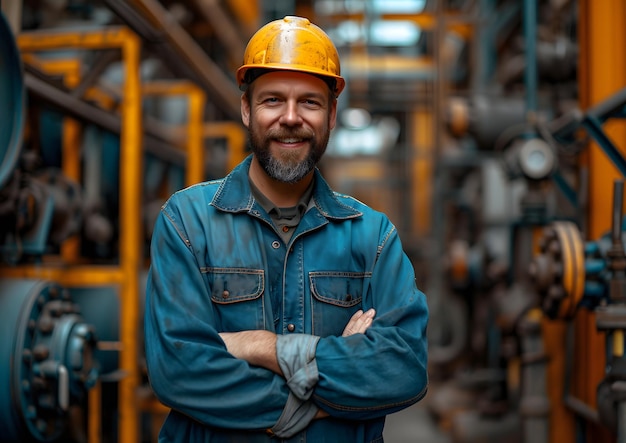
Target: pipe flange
558 271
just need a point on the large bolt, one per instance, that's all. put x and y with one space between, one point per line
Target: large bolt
41 352
53 292
46 324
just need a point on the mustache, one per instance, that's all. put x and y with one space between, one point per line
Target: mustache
288 133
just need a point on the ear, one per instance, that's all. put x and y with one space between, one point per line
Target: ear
245 109
332 118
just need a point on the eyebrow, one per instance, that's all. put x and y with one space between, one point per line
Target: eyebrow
316 95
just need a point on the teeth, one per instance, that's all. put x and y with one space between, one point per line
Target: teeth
290 140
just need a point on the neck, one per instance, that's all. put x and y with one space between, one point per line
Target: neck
283 195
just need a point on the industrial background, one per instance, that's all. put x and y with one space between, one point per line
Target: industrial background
491 132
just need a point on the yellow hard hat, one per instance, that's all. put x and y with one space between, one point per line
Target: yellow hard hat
292 44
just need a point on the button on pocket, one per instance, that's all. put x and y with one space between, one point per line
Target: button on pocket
237 296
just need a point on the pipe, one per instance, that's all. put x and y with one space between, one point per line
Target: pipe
157 28
535 405
154 140
530 73
225 30
621 422
618 203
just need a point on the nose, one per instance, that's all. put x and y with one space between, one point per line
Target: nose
291 115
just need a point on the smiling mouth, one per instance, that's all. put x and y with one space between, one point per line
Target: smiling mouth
290 141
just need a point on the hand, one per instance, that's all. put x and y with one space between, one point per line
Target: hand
359 323
257 347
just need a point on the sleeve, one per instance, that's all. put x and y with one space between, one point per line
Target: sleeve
188 365
369 375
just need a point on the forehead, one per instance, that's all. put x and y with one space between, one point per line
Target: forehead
285 81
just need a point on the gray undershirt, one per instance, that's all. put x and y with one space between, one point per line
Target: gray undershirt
285 219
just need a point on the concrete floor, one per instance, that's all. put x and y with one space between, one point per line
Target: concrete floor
414 425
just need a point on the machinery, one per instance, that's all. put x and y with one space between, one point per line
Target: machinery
490 131
82 177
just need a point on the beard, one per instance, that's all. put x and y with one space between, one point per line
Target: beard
287 166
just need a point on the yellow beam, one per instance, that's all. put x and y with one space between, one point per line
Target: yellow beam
247 14
55 39
602 72
235 136
194 129
424 20
131 180
422 170
73 276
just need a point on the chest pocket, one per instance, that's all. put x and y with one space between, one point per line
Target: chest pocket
336 297
237 297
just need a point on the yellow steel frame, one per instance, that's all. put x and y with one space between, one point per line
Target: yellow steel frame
126 275
194 129
66 269
235 136
602 72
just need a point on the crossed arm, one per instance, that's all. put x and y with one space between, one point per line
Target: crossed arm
258 347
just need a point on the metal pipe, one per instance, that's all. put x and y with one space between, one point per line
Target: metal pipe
582 409
154 142
535 405
486 46
225 30
611 106
621 422
155 25
594 127
618 205
95 71
530 38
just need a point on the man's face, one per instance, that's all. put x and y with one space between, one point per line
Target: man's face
289 116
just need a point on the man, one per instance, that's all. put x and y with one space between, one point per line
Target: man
277 309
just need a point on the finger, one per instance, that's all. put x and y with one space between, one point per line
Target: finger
359 323
364 321
356 316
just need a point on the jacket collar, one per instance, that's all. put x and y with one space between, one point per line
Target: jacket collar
234 195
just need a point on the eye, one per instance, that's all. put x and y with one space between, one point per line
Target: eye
312 103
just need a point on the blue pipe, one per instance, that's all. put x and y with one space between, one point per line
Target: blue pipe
530 38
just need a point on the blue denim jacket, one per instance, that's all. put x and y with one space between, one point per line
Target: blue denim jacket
219 265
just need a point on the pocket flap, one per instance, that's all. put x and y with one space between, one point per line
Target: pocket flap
337 288
235 285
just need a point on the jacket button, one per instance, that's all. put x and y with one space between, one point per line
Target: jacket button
291 327
225 294
275 244
348 297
